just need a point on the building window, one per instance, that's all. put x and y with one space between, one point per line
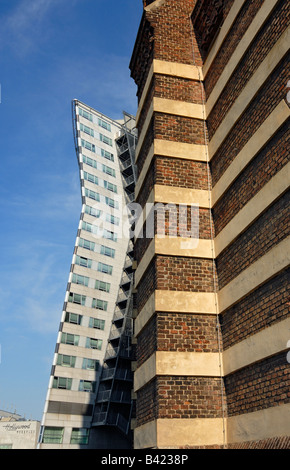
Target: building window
91 178
93 343
111 202
83 243
107 155
108 170
68 338
104 124
79 436
89 227
92 195
78 279
93 212
87 130
84 262
85 114
110 186
87 145
87 386
97 323
112 219
62 383
66 361
105 268
105 250
52 435
102 286
110 235
100 304
73 318
91 364
77 298
106 140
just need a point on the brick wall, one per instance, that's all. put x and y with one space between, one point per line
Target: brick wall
254 313
267 98
179 397
258 386
261 169
177 332
263 43
265 382
236 33
266 232
175 273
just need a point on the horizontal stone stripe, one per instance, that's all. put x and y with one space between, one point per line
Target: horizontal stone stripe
250 90
227 24
174 363
258 425
178 108
178 246
172 433
260 271
166 106
266 196
168 148
265 132
248 37
163 194
176 195
174 69
256 347
178 302
254 426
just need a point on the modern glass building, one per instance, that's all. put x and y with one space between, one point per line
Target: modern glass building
89 402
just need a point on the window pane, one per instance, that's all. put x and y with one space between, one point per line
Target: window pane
79 436
52 435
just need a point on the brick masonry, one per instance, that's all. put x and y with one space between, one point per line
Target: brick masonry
177 32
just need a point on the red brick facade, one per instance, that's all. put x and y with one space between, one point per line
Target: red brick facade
184 32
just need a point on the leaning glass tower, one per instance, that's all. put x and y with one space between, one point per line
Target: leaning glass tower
89 403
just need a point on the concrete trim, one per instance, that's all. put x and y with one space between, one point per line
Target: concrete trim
178 246
259 425
265 343
256 274
177 195
176 302
258 204
168 148
232 15
172 433
173 69
175 363
265 132
256 347
248 93
163 194
174 107
258 21
145 436
178 108
178 69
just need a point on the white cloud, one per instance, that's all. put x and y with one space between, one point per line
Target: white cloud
23 28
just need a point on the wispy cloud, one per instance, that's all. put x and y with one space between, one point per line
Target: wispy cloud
22 29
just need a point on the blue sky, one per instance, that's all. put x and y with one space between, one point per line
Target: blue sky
51 51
